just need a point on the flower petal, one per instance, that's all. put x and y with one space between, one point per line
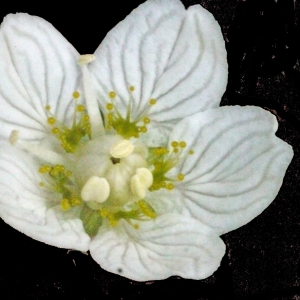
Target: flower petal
26 207
37 68
169 245
236 170
167 53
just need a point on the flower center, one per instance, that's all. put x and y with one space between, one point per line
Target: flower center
104 171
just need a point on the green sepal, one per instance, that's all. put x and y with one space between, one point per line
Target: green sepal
91 220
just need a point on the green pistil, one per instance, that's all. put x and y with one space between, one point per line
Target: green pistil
91 220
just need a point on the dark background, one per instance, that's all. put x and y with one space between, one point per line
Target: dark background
262 259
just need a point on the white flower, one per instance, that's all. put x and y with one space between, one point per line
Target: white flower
149 184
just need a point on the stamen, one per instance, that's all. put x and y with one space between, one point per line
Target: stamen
145 176
97 127
86 59
95 189
37 150
14 137
140 182
121 149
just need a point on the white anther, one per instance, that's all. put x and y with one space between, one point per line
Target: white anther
140 182
121 149
35 149
14 137
95 189
85 59
145 175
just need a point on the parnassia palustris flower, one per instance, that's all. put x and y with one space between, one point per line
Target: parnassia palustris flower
126 152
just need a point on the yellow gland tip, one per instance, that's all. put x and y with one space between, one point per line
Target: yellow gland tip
55 130
76 201
64 204
174 144
68 173
180 176
163 184
47 107
86 118
109 106
113 222
152 101
112 95
45 169
76 95
146 120
80 108
51 120
131 88
170 186
143 129
182 144
191 152
60 168
103 212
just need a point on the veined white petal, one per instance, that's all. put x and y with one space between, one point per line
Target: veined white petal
38 67
195 77
237 168
169 245
167 53
30 209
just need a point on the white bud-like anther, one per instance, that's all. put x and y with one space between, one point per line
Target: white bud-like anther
140 182
14 137
95 189
85 59
121 149
145 175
